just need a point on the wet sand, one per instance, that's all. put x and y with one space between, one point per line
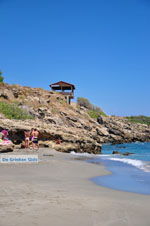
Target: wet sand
57 192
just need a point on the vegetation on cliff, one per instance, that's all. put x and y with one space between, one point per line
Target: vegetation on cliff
93 110
95 114
139 119
12 111
1 77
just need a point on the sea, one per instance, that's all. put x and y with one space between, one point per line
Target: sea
127 173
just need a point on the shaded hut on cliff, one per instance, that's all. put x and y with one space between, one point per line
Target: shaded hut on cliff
64 88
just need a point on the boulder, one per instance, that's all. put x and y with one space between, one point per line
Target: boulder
102 131
100 120
6 148
116 152
127 153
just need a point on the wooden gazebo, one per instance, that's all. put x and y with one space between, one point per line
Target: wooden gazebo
64 88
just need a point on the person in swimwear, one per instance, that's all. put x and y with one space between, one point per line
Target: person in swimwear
4 139
35 136
4 134
27 138
31 134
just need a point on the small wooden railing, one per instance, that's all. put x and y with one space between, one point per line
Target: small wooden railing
68 93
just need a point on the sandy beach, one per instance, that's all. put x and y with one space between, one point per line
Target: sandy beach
57 192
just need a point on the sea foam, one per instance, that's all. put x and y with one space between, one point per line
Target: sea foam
82 154
136 163
87 154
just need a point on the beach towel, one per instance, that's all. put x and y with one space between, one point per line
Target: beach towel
5 142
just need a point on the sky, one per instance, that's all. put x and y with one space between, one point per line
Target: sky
100 46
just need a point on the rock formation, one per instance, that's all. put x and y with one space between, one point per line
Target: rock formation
6 148
56 120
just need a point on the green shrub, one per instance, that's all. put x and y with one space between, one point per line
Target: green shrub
84 102
1 77
139 119
93 110
12 111
95 114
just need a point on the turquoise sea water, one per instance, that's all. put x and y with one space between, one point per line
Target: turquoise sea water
129 173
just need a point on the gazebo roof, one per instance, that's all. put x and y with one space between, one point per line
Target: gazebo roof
62 84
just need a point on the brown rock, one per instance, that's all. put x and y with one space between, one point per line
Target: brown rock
6 148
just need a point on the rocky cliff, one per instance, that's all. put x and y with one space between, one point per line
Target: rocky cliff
55 119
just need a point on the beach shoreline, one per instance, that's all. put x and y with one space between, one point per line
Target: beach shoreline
58 191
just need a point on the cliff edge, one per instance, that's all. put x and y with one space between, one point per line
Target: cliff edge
71 124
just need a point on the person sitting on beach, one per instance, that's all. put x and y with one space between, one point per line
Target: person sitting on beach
31 134
1 137
58 141
4 134
4 140
35 135
27 138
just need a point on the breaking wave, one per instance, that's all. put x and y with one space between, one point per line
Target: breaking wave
85 154
137 163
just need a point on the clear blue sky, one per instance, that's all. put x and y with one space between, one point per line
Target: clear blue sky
101 46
